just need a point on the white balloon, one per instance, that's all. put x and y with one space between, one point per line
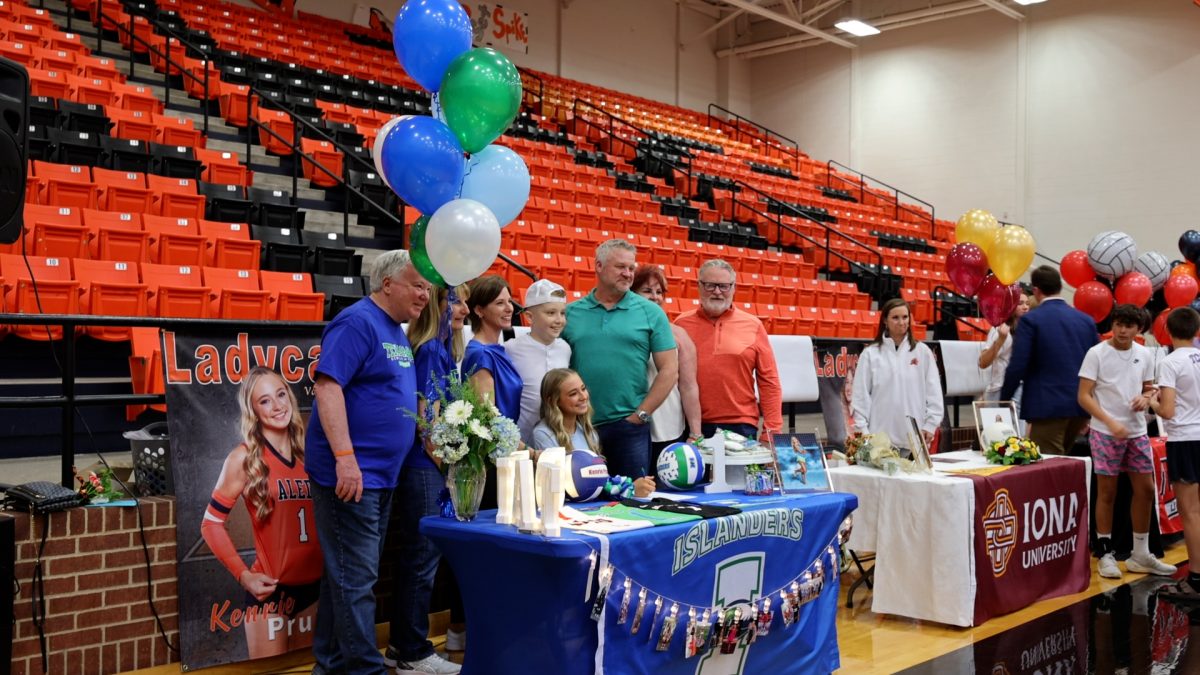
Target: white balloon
377 147
1155 266
462 240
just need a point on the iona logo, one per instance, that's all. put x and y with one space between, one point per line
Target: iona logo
1000 531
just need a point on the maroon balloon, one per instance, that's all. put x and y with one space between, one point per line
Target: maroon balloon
966 265
1094 299
1134 288
997 301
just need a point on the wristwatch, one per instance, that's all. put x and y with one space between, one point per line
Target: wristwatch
643 416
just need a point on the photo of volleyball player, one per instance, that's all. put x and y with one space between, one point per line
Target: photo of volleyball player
266 470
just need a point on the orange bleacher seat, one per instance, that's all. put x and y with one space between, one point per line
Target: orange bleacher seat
110 288
324 154
292 296
92 90
138 98
132 124
176 197
145 369
195 87
54 231
229 245
114 235
808 322
55 291
281 124
171 130
175 241
237 294
177 290
51 59
52 83
234 103
223 167
65 185
122 191
15 49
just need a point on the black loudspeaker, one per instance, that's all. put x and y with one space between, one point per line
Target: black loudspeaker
8 556
14 110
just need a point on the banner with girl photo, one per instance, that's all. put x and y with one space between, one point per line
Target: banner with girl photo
247 550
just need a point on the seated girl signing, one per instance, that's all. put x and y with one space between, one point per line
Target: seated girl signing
566 422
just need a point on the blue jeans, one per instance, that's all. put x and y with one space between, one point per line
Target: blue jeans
748 430
417 562
626 448
352 535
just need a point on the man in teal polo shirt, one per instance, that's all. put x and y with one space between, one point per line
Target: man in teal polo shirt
614 333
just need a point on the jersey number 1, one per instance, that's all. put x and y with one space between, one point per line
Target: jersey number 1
303 527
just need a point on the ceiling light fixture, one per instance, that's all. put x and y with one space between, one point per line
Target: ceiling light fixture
856 27
1028 2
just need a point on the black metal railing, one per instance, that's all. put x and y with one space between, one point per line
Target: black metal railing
101 17
834 239
787 145
867 185
537 99
610 127
940 293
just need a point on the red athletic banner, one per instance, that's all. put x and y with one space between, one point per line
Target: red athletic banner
1031 535
1169 521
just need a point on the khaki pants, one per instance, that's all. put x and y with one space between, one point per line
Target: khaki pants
1056 435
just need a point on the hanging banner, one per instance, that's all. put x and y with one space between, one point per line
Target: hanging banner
247 550
499 27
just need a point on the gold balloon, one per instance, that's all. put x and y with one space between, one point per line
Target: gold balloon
976 227
1011 253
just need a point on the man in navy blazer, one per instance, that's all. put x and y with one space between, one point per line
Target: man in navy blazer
1048 349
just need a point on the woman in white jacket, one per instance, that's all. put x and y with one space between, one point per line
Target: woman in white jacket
897 377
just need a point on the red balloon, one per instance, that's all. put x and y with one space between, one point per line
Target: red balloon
966 265
1094 299
1134 289
997 301
1076 269
1180 290
1160 328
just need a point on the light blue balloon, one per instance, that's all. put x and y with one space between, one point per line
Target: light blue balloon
423 162
427 35
498 178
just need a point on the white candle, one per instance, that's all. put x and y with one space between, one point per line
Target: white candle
505 482
529 521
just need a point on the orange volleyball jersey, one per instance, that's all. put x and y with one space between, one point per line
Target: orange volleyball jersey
286 541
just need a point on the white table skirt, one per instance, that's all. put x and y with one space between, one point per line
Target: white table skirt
921 528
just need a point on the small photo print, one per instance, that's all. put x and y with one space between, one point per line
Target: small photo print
801 463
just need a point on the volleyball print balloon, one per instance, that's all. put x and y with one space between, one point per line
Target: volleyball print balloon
586 476
680 466
1112 254
1155 266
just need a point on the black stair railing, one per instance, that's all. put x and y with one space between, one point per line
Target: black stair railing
738 124
866 186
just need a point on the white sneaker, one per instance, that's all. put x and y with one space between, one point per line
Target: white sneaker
1149 565
430 664
456 640
1108 567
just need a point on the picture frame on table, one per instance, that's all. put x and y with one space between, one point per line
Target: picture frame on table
802 464
920 449
995 421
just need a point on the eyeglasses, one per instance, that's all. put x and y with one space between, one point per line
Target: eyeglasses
710 286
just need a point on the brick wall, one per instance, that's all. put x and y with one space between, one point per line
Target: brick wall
97 616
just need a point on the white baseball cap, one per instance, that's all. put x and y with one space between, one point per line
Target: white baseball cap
543 291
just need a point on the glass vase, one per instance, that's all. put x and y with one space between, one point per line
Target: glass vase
465 483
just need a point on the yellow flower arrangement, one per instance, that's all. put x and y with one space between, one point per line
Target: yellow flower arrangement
1013 450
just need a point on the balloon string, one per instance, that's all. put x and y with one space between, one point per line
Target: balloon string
447 318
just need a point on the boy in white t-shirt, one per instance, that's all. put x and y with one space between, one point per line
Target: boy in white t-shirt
1177 404
540 350
1116 382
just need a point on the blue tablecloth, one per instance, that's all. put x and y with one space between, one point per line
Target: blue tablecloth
525 594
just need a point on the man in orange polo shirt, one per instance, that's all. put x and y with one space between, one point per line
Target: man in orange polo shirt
734 353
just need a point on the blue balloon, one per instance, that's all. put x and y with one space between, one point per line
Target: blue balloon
427 36
423 162
498 178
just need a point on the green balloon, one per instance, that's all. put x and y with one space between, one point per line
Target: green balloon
418 255
480 96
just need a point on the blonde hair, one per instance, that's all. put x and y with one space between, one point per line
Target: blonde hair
257 492
425 327
553 417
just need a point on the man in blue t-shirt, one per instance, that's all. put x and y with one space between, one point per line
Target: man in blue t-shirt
358 436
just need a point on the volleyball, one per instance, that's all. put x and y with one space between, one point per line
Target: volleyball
1112 254
680 465
586 476
1155 266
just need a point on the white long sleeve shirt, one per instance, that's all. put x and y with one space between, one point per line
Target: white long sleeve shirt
893 384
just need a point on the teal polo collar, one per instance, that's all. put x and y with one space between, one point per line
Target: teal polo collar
589 301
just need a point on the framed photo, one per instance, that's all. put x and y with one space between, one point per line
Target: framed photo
995 421
802 466
920 449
